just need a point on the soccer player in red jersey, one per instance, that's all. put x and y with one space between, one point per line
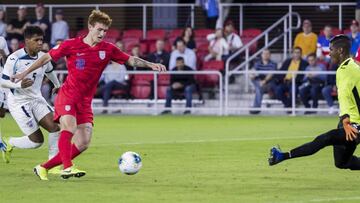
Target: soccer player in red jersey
87 58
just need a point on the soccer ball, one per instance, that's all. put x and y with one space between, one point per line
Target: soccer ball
130 163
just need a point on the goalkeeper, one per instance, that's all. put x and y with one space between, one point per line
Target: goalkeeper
345 138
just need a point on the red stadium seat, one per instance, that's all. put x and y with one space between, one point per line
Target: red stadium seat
209 81
335 31
132 34
144 48
156 34
252 32
141 86
129 43
113 33
175 33
163 84
82 32
213 65
202 33
140 91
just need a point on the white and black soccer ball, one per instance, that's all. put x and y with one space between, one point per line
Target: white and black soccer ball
130 163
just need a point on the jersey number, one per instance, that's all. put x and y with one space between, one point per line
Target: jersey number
34 76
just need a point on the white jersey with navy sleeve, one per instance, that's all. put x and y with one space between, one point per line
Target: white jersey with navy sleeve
27 106
18 62
3 91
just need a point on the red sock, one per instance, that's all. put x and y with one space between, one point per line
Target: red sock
56 160
65 148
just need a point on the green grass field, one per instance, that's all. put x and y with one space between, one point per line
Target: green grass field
188 159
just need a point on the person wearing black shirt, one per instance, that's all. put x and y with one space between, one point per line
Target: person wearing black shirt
180 83
42 21
160 55
188 37
16 27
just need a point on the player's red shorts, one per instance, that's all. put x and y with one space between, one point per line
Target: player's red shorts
81 110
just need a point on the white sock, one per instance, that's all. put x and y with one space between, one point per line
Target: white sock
53 144
23 142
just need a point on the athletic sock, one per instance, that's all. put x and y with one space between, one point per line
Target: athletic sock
56 160
287 155
23 142
65 148
53 144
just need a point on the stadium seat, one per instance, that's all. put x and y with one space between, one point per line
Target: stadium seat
252 32
113 33
130 43
82 32
202 33
163 84
213 65
144 48
132 34
175 33
156 34
141 86
335 31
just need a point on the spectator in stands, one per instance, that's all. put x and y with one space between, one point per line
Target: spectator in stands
330 88
60 28
160 55
16 27
2 22
187 36
306 40
14 45
231 37
312 84
283 89
218 47
182 83
263 82
323 44
114 78
354 35
211 11
181 50
42 21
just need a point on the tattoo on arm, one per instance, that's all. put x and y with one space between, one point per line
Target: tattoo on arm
138 62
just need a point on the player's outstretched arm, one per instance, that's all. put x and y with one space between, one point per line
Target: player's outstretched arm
40 62
138 62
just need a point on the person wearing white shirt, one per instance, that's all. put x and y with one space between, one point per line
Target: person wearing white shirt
232 38
182 51
60 28
4 52
218 46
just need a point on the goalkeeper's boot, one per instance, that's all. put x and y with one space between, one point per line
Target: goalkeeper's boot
41 172
276 156
72 172
6 149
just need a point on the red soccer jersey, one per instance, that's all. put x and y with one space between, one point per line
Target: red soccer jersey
85 65
357 56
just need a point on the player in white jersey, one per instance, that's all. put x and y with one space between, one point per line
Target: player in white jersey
25 102
4 52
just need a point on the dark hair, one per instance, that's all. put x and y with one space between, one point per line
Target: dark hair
298 48
312 55
180 58
192 32
180 40
341 41
30 31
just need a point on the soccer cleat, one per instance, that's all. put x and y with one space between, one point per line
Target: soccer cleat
276 155
72 172
6 149
56 170
41 172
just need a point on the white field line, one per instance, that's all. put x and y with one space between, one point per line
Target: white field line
219 140
336 199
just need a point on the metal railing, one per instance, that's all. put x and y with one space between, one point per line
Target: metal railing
285 20
155 102
293 108
192 9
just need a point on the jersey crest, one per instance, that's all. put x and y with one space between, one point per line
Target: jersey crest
102 55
